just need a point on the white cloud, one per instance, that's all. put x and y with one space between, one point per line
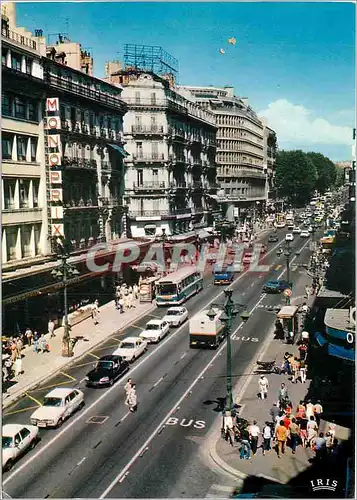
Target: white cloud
295 124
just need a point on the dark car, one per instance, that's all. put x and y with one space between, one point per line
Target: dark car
273 238
276 286
107 370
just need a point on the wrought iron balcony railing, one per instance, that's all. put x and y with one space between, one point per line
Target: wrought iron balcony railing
149 186
151 157
156 213
151 129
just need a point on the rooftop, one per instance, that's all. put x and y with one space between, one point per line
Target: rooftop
339 319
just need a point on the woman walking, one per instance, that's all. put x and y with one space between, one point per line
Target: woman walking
132 399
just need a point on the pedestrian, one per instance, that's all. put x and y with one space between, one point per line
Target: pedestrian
274 412
228 427
303 430
43 344
283 394
94 314
311 430
263 387
254 432
136 291
13 350
18 366
294 434
36 345
29 336
131 300
319 445
51 328
132 399
302 351
300 410
19 346
128 386
309 409
281 435
245 445
286 421
317 412
295 367
121 304
330 434
302 371
267 435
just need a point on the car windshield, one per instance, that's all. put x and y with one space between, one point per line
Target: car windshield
104 365
6 442
52 402
173 312
153 326
167 289
127 345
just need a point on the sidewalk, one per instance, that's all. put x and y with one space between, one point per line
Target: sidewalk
39 367
269 468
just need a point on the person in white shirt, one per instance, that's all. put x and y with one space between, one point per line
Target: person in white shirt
309 410
267 435
254 432
228 427
317 412
263 387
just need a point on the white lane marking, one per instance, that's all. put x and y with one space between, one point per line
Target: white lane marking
108 391
158 382
183 355
81 461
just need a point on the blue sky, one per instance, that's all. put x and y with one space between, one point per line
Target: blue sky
294 61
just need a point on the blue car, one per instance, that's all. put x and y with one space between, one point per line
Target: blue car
276 286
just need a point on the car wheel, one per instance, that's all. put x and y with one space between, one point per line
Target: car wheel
8 465
59 423
81 405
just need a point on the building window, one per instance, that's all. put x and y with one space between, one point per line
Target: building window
33 145
35 190
9 194
26 241
11 240
6 105
16 62
33 111
20 108
24 191
28 66
4 57
6 146
21 147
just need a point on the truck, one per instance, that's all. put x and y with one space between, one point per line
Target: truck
222 275
206 331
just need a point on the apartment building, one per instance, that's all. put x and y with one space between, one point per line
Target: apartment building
241 171
24 213
170 180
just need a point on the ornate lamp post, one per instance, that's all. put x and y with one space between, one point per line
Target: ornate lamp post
63 272
230 310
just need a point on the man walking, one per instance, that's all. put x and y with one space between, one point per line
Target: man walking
283 395
317 412
281 435
267 435
263 387
29 336
294 434
274 412
51 328
132 399
254 432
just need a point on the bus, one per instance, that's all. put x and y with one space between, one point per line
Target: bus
177 287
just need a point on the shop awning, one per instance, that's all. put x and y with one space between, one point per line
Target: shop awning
120 150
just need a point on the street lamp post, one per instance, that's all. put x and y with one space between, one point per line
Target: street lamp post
63 272
230 310
287 254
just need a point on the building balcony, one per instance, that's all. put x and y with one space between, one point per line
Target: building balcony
149 186
161 214
177 134
178 186
79 163
18 38
196 186
226 198
198 211
80 204
147 130
11 215
111 201
175 158
67 86
150 158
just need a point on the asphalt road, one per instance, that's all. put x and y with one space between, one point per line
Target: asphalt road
153 452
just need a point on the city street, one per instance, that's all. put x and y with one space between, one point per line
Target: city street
105 451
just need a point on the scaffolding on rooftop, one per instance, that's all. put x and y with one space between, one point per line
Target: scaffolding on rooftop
150 58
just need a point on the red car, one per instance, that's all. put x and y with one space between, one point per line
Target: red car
247 259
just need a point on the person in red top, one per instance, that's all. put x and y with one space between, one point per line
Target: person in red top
288 409
286 421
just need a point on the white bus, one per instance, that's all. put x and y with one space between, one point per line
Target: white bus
177 287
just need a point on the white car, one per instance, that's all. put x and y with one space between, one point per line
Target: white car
155 330
131 348
309 229
57 406
280 225
304 234
289 237
296 230
16 440
175 316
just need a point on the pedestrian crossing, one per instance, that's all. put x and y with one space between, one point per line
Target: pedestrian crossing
223 490
271 307
294 267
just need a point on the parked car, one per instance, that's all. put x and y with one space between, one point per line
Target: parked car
175 316
156 329
290 227
131 348
57 406
289 237
16 440
296 230
304 234
106 371
275 286
273 238
280 225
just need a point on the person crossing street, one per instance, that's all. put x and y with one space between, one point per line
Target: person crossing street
263 387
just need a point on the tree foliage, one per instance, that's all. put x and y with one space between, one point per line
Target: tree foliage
326 171
295 176
340 176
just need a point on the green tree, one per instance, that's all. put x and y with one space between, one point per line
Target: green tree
340 176
325 169
295 176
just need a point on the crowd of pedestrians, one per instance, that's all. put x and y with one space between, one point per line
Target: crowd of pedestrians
126 297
